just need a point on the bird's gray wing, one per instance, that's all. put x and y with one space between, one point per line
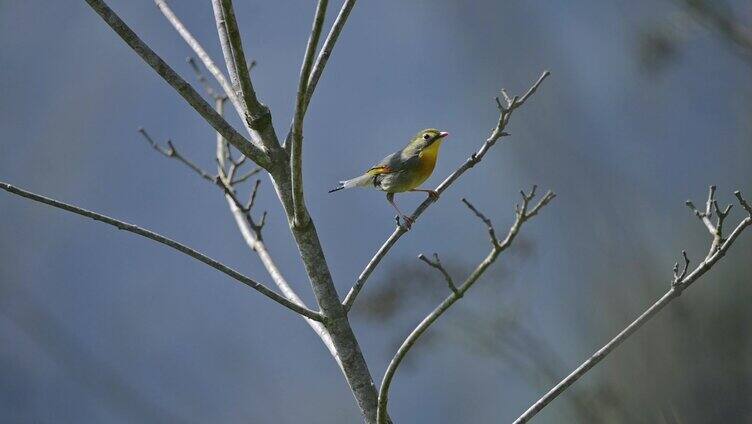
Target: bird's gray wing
393 163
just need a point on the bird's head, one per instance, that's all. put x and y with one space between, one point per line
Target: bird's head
427 138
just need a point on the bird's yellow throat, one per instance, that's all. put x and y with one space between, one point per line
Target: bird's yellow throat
428 157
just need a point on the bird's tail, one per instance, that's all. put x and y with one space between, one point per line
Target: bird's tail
362 181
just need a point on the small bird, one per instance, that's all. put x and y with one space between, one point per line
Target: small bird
403 170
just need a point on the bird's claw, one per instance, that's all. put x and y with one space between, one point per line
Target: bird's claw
433 194
405 223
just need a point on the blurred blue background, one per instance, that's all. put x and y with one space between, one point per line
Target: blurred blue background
646 107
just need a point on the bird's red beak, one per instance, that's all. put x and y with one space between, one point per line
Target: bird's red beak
443 134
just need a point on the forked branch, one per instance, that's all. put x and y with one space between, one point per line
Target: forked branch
523 213
436 263
171 152
257 115
681 280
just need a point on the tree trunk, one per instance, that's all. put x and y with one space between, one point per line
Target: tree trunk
337 324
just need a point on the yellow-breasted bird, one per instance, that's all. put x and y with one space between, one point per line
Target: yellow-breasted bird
403 170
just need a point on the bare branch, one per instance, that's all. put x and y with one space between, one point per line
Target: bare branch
200 52
179 84
678 277
172 152
436 263
296 150
743 202
245 176
232 48
204 82
496 133
491 232
708 213
170 243
257 245
678 285
711 205
222 150
326 50
232 197
524 212
520 217
224 153
227 88
252 200
322 59
257 115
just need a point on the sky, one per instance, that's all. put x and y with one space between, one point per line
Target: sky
98 325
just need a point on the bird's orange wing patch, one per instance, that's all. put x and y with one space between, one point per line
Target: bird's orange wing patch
378 170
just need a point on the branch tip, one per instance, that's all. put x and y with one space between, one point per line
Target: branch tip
679 277
743 202
436 263
252 199
489 225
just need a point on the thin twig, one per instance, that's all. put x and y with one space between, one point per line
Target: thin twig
743 202
711 206
252 199
680 283
204 82
705 216
179 84
172 153
678 277
521 216
200 52
476 157
491 231
296 151
170 243
245 176
436 263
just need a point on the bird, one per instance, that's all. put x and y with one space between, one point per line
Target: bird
403 170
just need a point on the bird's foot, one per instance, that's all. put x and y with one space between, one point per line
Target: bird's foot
433 194
406 222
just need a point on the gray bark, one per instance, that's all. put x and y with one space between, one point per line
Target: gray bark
336 322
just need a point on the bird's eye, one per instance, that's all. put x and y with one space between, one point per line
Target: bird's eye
426 136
